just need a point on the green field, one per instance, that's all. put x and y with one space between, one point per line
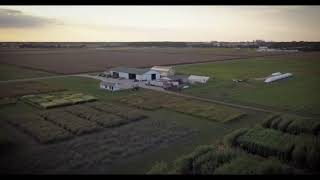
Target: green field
10 72
298 93
208 131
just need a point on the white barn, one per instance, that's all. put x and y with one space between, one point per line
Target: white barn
144 74
198 79
164 70
109 86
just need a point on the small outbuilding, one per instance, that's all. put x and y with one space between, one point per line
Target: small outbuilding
111 86
164 70
198 79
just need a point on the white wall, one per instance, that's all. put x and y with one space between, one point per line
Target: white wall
147 76
124 75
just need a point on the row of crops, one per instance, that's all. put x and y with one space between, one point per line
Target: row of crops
41 130
264 149
128 113
58 99
292 124
210 111
214 160
54 125
298 150
104 119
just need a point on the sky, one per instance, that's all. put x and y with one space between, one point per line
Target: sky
159 23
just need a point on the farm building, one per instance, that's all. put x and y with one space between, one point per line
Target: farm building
109 86
144 74
164 70
198 79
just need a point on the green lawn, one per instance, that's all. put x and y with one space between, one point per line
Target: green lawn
298 93
10 72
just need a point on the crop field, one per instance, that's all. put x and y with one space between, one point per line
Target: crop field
210 111
14 89
51 126
57 99
292 124
295 94
298 150
96 152
214 160
43 131
90 60
115 138
128 113
12 72
254 151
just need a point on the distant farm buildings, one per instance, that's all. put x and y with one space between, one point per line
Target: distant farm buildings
140 74
164 70
266 49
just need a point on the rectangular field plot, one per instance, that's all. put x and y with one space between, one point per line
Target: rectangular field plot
301 151
205 110
106 120
58 99
40 129
154 100
267 142
14 89
127 113
292 124
69 122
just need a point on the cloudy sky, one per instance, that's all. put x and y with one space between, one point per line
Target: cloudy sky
159 23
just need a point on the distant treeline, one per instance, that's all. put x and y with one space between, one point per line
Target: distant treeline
299 45
302 46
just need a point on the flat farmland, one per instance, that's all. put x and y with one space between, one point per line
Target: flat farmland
122 143
90 60
299 93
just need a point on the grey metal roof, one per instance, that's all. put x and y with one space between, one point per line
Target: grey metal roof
138 71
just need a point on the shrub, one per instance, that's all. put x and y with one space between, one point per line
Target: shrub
183 165
301 125
306 152
254 165
204 160
231 138
267 142
266 123
283 125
